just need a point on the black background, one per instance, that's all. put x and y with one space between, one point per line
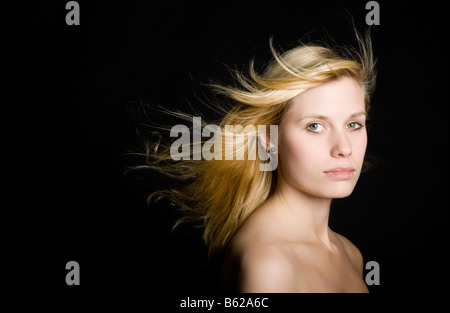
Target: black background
74 93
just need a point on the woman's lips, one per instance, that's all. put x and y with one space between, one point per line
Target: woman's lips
341 173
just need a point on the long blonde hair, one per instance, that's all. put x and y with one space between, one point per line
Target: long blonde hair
221 194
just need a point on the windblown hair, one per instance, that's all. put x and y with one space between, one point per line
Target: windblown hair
221 194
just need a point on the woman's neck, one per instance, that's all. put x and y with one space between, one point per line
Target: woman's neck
305 217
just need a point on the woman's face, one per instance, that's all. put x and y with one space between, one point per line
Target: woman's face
323 139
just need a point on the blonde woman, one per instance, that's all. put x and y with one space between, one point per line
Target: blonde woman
271 226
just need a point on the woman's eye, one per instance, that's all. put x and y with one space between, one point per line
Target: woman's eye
354 125
315 127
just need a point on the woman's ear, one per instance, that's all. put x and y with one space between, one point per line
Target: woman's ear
269 144
266 140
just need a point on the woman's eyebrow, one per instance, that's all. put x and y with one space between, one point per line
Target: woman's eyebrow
358 114
315 116
323 117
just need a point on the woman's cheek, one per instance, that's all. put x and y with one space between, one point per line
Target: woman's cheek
299 155
360 147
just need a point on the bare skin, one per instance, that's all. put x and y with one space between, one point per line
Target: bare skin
268 258
286 244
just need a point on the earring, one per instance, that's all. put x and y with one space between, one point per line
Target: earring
272 150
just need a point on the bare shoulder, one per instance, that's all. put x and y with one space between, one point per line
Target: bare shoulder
353 252
266 268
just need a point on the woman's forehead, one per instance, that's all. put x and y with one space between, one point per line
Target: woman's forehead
343 96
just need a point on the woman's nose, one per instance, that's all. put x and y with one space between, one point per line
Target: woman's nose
341 146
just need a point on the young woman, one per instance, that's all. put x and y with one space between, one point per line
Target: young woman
271 227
